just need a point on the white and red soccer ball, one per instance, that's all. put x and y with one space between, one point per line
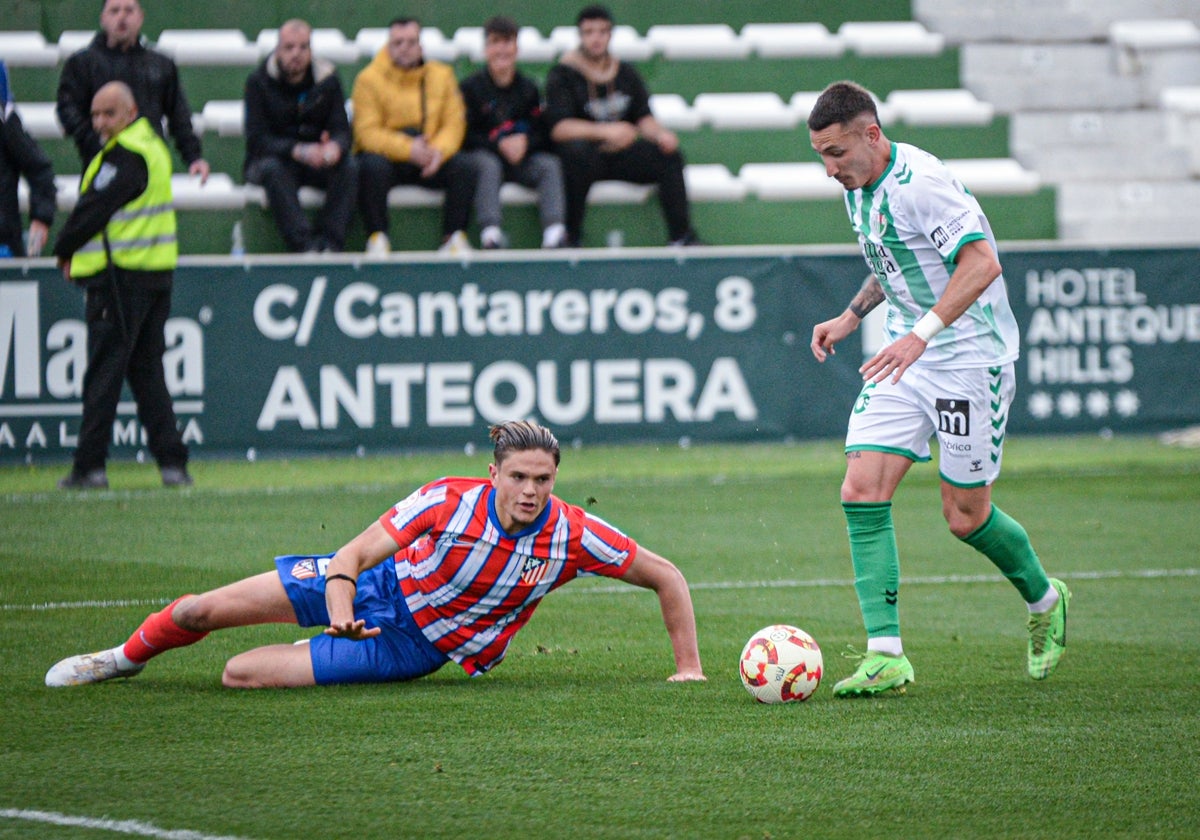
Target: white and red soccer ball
781 664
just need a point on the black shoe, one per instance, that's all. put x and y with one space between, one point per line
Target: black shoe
176 477
92 480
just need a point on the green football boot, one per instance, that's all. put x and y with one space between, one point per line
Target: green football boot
1048 634
877 672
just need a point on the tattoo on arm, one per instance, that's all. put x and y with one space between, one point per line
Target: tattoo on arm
868 297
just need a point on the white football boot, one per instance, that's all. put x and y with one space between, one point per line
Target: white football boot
91 668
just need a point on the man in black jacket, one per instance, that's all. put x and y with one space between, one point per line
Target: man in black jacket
598 109
506 138
119 53
21 155
297 134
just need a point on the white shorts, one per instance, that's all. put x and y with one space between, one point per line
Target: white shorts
967 408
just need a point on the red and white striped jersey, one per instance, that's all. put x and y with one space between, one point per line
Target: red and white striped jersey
469 585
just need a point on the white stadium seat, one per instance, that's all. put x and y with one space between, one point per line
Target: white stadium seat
792 40
327 43
225 116
789 181
995 176
701 40
673 111
745 110
531 45
468 40
627 43
1160 34
414 196
208 47
40 120
712 182
72 40
619 192
434 44
939 107
891 38
27 49
217 193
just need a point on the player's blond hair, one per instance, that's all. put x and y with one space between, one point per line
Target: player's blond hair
520 436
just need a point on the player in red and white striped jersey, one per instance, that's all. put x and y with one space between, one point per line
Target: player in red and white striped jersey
450 573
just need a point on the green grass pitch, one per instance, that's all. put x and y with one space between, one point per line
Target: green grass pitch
577 734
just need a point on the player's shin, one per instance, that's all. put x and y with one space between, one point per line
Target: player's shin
159 633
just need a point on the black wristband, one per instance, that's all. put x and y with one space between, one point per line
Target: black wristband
861 313
341 577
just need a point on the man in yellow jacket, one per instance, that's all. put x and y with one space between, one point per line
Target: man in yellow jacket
409 124
119 244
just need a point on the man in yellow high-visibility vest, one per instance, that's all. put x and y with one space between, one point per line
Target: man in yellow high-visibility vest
119 244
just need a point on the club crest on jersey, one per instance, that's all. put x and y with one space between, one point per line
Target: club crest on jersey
533 571
877 223
305 569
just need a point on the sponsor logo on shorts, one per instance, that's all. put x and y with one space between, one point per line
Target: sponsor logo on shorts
954 417
305 569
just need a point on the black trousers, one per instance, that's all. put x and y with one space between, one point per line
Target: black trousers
644 162
127 343
282 179
377 175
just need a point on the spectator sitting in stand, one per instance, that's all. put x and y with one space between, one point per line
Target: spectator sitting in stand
598 110
506 140
297 134
408 127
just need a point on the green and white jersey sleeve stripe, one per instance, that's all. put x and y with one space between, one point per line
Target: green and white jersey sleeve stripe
911 223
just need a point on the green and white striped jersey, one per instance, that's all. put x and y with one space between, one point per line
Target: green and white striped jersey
911 222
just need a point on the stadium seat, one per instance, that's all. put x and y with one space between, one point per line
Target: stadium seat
40 120
434 44
802 103
327 43
712 182
701 40
995 176
256 196
745 110
627 44
788 181
67 191
939 107
619 192
531 45
414 196
222 47
792 40
27 49
219 192
225 116
1154 34
71 41
890 38
673 111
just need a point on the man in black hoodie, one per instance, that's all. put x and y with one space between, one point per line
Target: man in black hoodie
297 134
119 53
598 110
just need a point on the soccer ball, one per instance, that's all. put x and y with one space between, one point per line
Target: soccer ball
780 664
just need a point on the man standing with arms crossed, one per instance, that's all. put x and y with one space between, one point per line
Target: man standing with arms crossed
119 243
946 369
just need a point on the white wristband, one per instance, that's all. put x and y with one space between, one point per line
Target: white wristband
928 326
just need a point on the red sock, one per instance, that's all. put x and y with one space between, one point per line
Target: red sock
159 633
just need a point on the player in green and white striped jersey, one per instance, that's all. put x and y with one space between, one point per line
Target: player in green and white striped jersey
946 369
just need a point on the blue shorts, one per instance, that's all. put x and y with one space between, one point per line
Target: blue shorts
399 652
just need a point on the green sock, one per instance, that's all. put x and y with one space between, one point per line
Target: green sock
876 565
1003 541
